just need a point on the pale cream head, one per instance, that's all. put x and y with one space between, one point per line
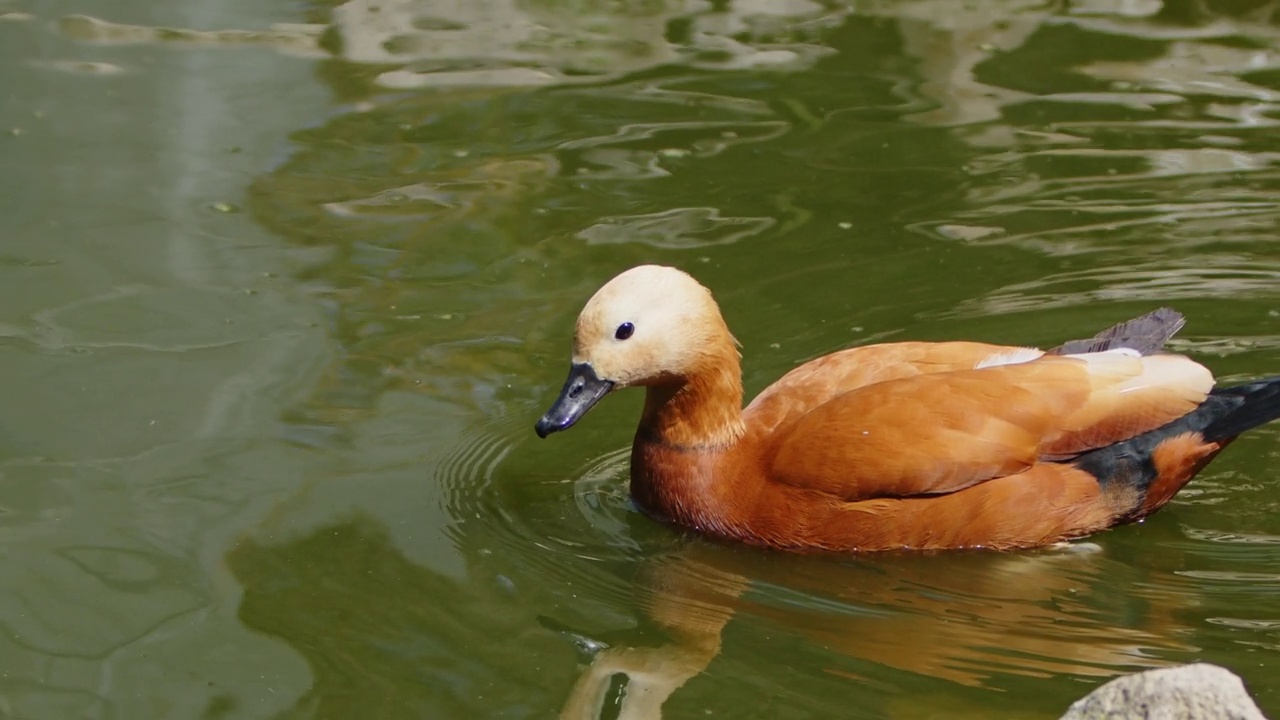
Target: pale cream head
677 328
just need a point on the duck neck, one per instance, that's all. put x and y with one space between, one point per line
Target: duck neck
700 411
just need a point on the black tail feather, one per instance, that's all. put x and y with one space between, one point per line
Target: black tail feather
1250 405
1147 334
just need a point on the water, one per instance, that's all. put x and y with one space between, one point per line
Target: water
283 288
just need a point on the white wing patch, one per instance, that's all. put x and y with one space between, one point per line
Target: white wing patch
1016 356
1087 357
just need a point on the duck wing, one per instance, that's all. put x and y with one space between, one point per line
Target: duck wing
942 432
823 379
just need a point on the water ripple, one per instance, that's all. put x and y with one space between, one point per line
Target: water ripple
1204 276
680 228
572 532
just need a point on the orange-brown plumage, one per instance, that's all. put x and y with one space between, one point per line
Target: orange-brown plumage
904 445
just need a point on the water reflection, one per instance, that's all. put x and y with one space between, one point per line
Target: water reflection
293 39
973 619
531 43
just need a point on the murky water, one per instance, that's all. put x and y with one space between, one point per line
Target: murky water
284 287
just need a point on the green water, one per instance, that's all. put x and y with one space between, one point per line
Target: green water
284 286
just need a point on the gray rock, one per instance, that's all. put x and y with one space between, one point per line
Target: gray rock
1189 692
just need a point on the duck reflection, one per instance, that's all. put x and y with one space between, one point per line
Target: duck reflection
971 618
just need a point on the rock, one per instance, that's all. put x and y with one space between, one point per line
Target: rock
1189 692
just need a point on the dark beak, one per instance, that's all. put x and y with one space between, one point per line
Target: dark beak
582 390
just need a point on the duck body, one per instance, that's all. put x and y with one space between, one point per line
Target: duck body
909 445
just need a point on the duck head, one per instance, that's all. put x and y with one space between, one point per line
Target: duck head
650 326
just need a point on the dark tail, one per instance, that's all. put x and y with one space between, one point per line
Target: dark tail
1245 407
1146 334
1226 413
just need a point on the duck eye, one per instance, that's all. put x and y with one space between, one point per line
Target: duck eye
624 331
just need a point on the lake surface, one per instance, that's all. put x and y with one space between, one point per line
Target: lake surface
284 286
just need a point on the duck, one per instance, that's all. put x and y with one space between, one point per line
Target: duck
898 446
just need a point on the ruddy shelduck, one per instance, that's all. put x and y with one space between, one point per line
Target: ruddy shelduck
909 445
